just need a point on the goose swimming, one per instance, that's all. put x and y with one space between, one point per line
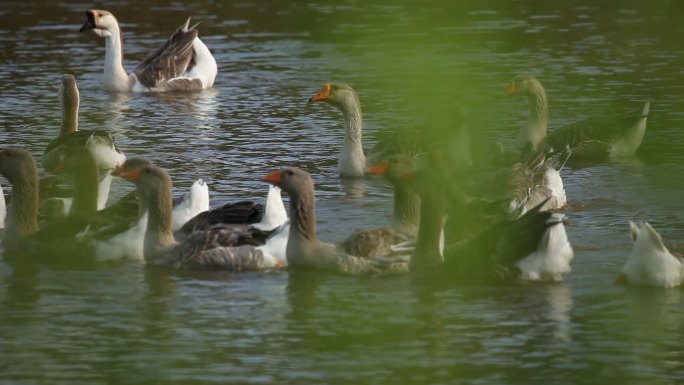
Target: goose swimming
183 63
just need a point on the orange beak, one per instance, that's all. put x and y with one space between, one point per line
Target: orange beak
323 95
118 170
510 89
273 178
378 169
132 175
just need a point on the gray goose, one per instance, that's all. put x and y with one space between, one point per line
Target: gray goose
352 161
217 248
304 249
381 241
183 63
594 138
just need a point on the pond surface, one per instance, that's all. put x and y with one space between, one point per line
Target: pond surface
128 324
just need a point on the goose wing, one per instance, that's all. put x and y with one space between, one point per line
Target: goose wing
371 243
55 149
600 129
170 61
243 212
223 249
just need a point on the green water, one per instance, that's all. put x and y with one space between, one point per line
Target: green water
410 63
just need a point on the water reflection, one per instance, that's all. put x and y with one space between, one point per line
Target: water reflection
117 106
354 188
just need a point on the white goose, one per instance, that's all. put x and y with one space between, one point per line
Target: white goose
651 263
551 260
183 63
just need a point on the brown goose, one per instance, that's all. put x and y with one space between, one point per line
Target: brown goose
99 142
70 240
593 138
19 168
381 241
183 63
213 249
304 249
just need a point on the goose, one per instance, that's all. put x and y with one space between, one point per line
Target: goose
593 138
650 263
213 249
304 249
100 143
128 244
18 166
244 213
536 178
183 63
66 241
380 241
406 209
532 246
352 161
241 218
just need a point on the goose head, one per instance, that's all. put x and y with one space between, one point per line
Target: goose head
292 180
151 181
16 165
339 95
68 92
398 168
523 85
129 165
103 23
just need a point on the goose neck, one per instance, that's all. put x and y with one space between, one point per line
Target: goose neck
22 215
537 119
115 76
69 115
427 252
303 218
85 189
406 214
352 159
159 239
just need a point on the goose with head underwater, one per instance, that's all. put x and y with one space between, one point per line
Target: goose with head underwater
651 263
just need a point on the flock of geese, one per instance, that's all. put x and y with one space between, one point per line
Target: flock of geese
453 217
